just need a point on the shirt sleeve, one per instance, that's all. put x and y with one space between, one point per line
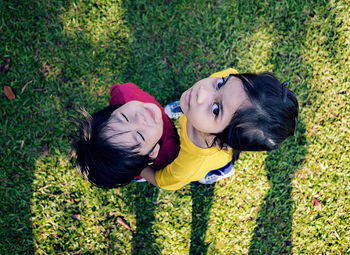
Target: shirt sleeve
224 73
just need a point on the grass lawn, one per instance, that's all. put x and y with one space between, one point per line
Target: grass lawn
65 54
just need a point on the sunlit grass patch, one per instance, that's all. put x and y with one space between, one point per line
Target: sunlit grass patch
66 55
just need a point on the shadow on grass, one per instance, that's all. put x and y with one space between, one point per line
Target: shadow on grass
273 231
202 200
164 62
22 139
143 240
51 74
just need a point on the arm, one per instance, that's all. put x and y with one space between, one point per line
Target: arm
148 174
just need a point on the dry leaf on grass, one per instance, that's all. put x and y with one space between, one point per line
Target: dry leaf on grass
9 93
77 216
316 204
124 223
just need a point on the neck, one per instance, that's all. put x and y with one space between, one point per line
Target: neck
198 138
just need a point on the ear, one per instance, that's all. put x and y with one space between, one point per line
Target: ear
225 147
154 153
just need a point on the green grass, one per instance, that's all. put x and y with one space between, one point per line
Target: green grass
66 54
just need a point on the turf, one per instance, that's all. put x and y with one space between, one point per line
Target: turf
66 54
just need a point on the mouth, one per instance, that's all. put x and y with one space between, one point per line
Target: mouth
188 97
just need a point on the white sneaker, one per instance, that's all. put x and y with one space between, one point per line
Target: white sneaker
173 110
138 179
218 174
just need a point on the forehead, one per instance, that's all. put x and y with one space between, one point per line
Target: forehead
118 135
233 96
129 107
234 89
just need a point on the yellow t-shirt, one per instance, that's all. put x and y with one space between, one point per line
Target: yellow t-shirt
193 162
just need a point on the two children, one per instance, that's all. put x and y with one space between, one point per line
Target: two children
225 111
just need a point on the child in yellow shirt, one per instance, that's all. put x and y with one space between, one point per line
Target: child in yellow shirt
224 112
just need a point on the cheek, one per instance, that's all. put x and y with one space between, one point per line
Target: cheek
201 122
201 114
154 134
159 132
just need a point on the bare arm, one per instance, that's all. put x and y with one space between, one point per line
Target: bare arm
148 174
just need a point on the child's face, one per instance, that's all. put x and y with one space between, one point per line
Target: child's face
210 103
136 124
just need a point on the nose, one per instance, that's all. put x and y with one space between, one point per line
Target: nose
202 94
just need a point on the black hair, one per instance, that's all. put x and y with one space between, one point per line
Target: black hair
102 163
270 117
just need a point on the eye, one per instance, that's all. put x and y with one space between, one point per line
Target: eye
125 117
142 137
219 83
215 109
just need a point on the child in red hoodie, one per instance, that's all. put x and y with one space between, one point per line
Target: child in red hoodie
119 141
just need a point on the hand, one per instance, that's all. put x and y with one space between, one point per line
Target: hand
149 174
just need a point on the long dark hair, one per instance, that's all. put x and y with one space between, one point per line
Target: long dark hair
268 121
